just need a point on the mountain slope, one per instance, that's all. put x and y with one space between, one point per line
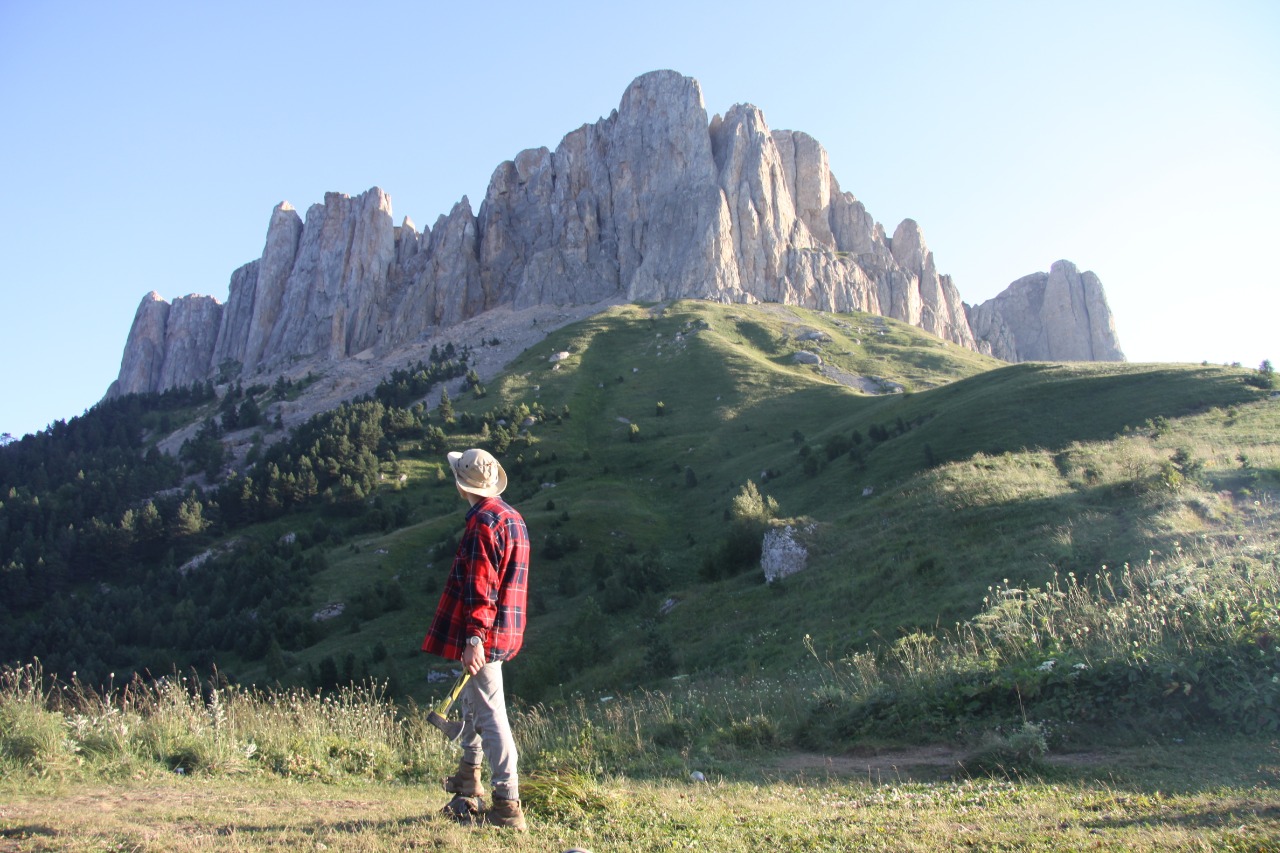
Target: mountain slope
990 473
640 444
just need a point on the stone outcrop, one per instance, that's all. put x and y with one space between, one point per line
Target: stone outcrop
170 345
144 349
783 554
656 201
257 304
1061 315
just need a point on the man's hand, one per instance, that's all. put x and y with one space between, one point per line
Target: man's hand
473 658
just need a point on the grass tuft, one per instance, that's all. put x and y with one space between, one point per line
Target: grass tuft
1016 754
33 736
567 792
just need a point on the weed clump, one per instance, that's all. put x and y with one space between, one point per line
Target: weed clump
1018 753
186 726
1176 645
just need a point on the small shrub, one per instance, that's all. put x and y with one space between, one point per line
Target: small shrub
837 446
1018 753
1265 378
567 582
673 734
756 730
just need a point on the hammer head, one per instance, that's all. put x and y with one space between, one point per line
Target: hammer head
452 729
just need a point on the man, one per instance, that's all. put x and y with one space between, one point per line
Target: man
480 622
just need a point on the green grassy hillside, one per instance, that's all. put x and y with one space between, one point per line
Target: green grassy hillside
650 449
915 502
1006 565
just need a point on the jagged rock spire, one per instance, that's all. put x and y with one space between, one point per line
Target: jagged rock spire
1061 315
653 202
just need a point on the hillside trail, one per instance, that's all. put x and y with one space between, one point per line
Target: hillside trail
882 766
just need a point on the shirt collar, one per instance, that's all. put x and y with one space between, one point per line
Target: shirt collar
476 507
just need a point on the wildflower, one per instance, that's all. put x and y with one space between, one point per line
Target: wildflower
1047 666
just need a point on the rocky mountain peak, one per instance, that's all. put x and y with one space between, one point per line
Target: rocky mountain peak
653 202
1061 315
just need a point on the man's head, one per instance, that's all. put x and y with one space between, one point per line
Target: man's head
477 473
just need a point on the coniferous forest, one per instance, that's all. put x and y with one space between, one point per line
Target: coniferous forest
101 533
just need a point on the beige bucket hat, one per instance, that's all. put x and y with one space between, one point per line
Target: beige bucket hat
477 472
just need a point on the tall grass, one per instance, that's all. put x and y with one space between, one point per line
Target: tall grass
31 735
183 724
1190 639
188 726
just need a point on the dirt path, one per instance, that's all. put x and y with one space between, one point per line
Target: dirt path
897 765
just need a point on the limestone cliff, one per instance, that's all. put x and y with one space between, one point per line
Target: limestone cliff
1061 315
656 201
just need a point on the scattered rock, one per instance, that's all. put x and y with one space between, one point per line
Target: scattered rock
813 335
781 555
329 611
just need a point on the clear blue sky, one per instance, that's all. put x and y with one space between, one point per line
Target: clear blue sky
145 144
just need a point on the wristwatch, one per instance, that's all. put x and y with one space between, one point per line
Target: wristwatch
474 641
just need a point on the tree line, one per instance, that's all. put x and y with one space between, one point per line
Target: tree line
96 524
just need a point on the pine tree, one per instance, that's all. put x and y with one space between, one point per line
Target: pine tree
445 409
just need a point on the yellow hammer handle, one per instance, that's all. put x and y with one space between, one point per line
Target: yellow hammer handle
443 708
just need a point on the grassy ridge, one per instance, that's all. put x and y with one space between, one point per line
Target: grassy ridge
985 472
1011 560
912 504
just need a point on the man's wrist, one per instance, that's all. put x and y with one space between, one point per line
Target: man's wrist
474 641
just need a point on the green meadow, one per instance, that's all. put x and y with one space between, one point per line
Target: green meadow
1038 610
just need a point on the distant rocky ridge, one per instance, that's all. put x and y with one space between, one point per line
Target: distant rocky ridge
654 202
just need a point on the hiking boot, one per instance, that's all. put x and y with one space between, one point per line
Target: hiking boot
463 810
506 813
466 781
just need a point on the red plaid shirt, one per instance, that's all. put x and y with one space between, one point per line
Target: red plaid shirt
485 594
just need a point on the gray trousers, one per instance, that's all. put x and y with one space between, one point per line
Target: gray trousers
486 731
